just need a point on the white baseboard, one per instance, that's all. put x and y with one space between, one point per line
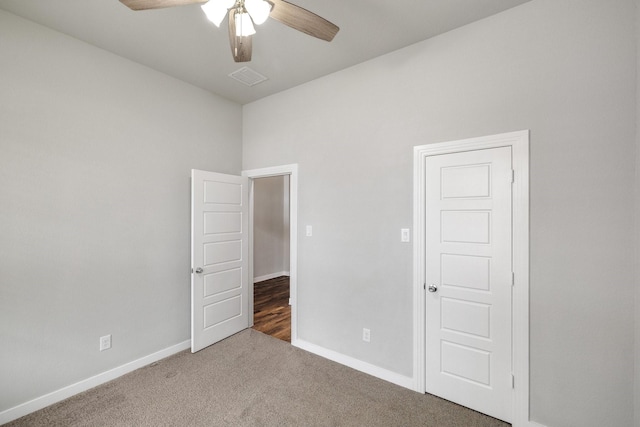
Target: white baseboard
73 389
356 364
270 276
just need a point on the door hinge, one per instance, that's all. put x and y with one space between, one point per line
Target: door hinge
513 278
513 381
513 176
424 286
192 271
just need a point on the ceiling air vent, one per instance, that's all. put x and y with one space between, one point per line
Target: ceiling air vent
247 76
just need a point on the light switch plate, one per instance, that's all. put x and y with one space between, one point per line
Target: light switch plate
405 235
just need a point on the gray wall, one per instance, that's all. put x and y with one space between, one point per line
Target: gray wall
95 159
270 226
637 224
563 69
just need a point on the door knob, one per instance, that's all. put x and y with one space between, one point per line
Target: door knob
199 270
433 288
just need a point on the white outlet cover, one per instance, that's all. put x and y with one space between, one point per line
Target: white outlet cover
105 342
309 231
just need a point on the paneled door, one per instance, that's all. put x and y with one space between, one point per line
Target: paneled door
219 257
469 279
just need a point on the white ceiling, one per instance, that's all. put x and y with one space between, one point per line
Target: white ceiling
181 42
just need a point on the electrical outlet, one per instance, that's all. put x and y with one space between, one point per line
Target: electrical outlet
105 342
366 335
309 231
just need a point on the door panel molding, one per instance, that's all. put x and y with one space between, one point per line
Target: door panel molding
519 143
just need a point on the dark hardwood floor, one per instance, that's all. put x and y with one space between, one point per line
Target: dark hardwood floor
271 309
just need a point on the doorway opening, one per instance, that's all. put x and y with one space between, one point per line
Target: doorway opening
271 258
273 250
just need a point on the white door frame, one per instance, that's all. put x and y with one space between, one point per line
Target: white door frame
292 171
519 143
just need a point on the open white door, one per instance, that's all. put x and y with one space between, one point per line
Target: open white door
219 257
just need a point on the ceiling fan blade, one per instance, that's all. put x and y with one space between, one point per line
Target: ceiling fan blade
303 20
157 4
240 46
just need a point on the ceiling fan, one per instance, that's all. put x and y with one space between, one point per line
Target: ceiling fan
244 13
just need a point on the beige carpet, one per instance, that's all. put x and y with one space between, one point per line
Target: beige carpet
251 379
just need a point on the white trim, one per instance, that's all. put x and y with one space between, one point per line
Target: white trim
356 364
271 171
519 143
292 171
86 384
269 276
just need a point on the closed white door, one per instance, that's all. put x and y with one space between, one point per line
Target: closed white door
219 257
469 279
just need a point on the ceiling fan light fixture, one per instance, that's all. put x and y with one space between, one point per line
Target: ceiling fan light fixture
244 26
258 9
216 10
243 14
